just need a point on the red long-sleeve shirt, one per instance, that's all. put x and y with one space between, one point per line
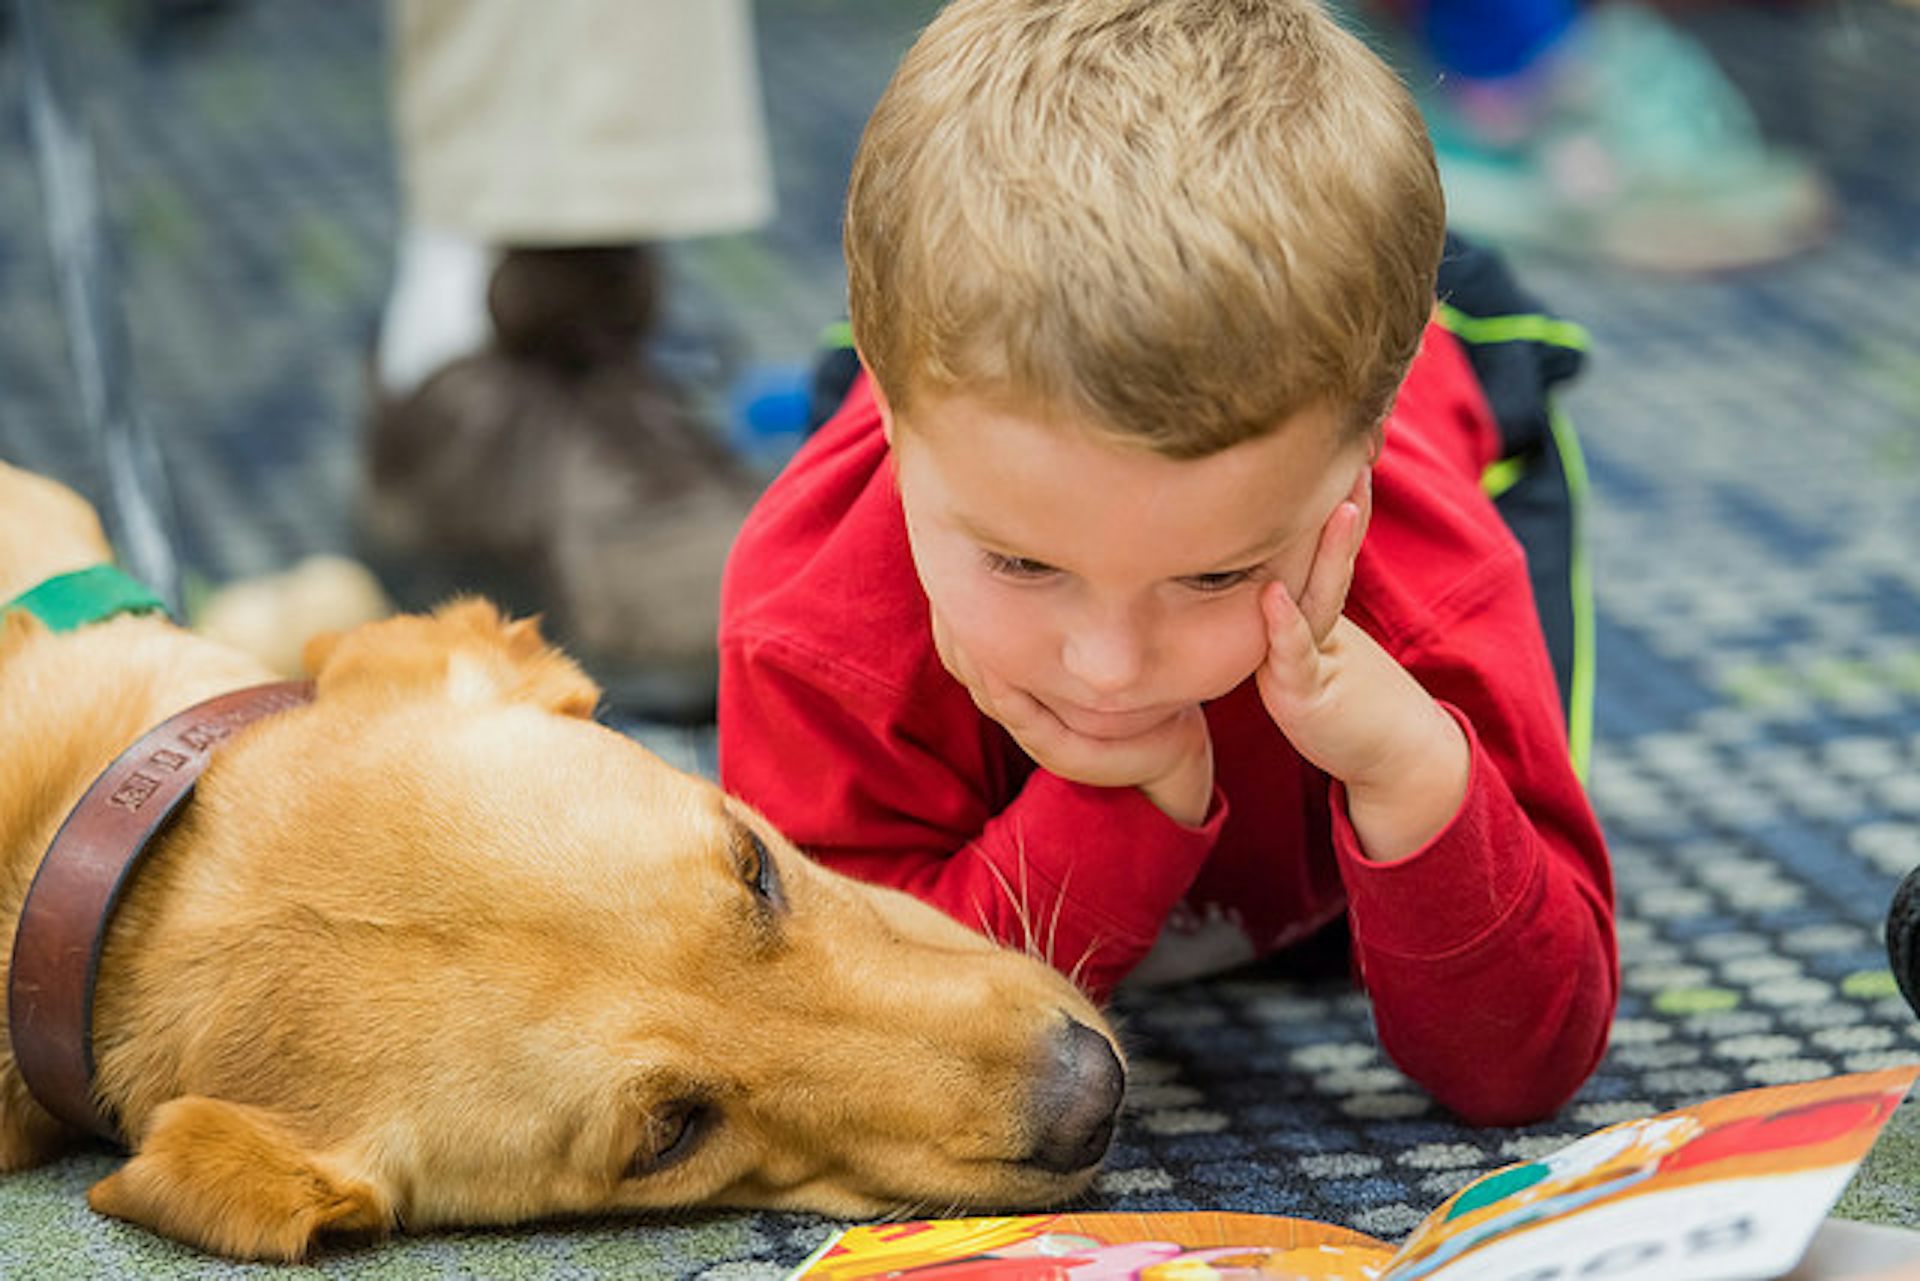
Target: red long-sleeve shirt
1488 954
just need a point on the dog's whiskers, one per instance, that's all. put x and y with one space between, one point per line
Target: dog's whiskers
1026 904
1079 966
1022 913
1053 926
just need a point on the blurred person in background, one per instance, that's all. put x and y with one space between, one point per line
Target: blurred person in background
519 442
1602 130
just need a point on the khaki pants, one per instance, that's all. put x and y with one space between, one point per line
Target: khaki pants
558 122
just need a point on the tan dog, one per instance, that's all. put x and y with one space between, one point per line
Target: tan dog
438 949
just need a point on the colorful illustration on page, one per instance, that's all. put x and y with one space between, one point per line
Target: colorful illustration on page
1780 1131
1186 1246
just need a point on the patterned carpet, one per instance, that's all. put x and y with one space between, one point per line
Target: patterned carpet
1755 449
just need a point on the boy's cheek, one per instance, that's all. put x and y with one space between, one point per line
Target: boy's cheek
1232 651
990 641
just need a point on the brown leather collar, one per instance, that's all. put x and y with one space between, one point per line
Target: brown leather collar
63 921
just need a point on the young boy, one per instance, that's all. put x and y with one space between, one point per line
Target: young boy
1065 623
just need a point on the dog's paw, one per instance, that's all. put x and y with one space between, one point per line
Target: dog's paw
466 649
273 617
29 1135
235 1180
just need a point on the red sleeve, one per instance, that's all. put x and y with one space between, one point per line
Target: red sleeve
1083 876
1489 954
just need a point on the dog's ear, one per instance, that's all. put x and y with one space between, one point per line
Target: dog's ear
467 647
318 650
235 1180
16 626
51 528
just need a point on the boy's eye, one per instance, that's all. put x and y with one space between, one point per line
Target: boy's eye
1217 582
1016 566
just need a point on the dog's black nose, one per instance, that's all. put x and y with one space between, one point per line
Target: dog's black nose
1077 1101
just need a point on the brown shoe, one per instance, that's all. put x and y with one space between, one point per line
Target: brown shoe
554 473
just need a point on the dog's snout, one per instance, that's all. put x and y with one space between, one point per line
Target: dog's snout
1077 1100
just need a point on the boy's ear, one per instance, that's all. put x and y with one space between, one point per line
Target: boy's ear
466 648
880 402
235 1180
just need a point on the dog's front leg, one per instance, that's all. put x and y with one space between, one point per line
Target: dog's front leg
29 1135
236 1180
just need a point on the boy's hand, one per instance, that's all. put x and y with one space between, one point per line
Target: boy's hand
1350 709
1172 763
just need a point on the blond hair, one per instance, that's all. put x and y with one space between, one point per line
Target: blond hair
1185 220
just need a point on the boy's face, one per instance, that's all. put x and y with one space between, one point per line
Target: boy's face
1113 585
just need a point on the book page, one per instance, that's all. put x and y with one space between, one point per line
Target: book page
1731 1188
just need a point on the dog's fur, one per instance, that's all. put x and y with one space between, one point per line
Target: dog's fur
438 949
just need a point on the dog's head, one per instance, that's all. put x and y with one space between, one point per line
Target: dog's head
438 948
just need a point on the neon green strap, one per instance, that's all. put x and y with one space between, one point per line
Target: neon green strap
1499 477
1503 474
1580 697
1486 330
67 602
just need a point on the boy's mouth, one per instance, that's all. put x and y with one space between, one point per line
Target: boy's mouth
1106 724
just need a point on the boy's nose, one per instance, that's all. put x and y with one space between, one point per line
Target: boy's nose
1107 658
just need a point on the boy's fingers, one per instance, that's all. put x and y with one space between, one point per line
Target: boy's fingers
1032 726
960 666
994 701
1330 577
1325 593
1017 711
1021 713
943 646
1290 639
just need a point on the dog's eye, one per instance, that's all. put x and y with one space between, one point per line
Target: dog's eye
761 871
672 1134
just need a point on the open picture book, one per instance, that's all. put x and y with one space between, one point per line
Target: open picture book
1732 1189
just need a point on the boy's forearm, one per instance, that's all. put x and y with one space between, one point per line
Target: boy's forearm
1415 795
1490 957
1505 1032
